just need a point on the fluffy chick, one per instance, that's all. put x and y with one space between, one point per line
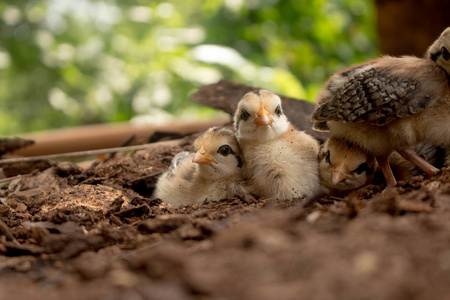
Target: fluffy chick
344 166
212 173
280 162
391 104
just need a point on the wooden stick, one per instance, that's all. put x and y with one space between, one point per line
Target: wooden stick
104 136
14 177
89 152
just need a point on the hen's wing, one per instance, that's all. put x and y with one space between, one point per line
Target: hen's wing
374 95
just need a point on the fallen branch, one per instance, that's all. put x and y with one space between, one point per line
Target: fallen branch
12 144
90 152
3 180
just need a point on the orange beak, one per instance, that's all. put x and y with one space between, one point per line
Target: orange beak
201 157
339 175
263 117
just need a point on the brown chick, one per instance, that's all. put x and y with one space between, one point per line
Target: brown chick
391 104
212 173
280 162
344 166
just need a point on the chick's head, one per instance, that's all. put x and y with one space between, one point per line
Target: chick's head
439 51
344 166
217 154
259 116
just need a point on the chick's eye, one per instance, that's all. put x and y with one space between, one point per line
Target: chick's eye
224 150
361 168
327 157
278 110
445 53
244 115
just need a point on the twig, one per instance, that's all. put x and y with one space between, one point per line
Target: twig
300 211
88 152
6 232
313 199
334 198
124 144
14 177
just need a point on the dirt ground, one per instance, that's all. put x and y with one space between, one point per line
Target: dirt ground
96 233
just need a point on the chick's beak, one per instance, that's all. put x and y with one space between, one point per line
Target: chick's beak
201 157
263 117
338 176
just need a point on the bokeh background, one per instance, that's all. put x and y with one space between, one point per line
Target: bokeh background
66 63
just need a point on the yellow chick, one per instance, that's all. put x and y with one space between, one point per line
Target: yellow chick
391 104
280 162
212 173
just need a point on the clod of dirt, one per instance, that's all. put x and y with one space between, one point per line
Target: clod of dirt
164 224
15 169
87 197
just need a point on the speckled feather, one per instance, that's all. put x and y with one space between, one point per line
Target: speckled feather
376 95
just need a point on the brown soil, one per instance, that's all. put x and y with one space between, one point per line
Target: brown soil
69 233
96 233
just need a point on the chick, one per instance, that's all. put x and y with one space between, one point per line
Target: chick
345 166
212 173
280 162
391 104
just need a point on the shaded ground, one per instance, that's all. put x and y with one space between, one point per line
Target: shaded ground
75 233
96 233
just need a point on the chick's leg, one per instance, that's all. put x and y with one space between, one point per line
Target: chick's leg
387 171
413 157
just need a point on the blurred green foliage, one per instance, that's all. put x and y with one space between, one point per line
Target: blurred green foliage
67 63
